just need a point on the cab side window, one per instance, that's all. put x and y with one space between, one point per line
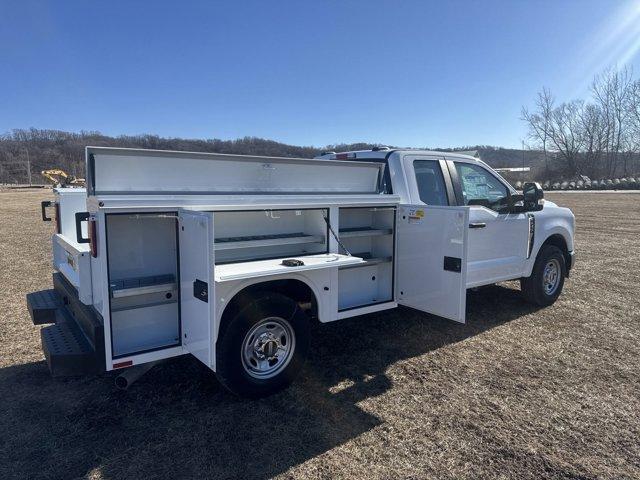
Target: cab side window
430 182
480 187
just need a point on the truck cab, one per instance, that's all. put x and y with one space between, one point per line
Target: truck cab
504 238
228 258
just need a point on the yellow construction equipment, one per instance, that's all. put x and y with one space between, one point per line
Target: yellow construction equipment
60 178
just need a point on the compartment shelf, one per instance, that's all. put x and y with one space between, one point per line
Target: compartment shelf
145 305
364 232
229 243
364 305
369 260
370 231
142 285
261 268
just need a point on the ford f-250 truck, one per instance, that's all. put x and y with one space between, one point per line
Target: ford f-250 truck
229 257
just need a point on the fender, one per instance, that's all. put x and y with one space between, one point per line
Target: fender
552 220
224 296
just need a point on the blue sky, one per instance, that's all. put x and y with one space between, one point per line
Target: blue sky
407 73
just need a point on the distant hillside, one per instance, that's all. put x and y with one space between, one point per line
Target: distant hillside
45 149
509 157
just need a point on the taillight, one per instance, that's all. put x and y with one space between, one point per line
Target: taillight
93 238
58 222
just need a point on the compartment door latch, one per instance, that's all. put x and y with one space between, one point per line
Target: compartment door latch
201 290
453 264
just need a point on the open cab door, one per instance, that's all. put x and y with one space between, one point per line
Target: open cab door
432 259
197 299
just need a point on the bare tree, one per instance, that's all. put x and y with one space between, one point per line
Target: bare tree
611 91
600 136
566 133
558 128
633 109
539 122
595 139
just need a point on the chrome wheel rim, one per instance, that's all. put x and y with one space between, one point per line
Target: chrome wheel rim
551 276
268 347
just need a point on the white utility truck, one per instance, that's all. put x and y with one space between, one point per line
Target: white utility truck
229 257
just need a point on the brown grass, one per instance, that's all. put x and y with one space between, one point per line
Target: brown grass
515 393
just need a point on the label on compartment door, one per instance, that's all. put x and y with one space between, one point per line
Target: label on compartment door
415 215
71 261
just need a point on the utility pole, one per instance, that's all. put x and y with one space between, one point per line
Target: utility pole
28 165
522 178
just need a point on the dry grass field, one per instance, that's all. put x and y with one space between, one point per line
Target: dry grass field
516 393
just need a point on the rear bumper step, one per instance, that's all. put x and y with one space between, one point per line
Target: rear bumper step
42 306
74 345
67 350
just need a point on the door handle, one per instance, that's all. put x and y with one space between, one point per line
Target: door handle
477 225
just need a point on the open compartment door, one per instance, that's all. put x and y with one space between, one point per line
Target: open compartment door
197 300
432 259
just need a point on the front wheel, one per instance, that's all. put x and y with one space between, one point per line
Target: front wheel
262 348
544 286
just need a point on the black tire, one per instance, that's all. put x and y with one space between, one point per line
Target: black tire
533 287
230 366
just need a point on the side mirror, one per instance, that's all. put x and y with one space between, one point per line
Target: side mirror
533 194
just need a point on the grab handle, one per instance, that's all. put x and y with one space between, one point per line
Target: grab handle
44 205
81 217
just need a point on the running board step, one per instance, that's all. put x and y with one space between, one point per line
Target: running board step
42 306
66 349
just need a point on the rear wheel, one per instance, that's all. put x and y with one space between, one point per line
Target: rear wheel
262 348
544 286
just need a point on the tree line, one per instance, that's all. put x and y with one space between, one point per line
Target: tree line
36 150
33 150
598 137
